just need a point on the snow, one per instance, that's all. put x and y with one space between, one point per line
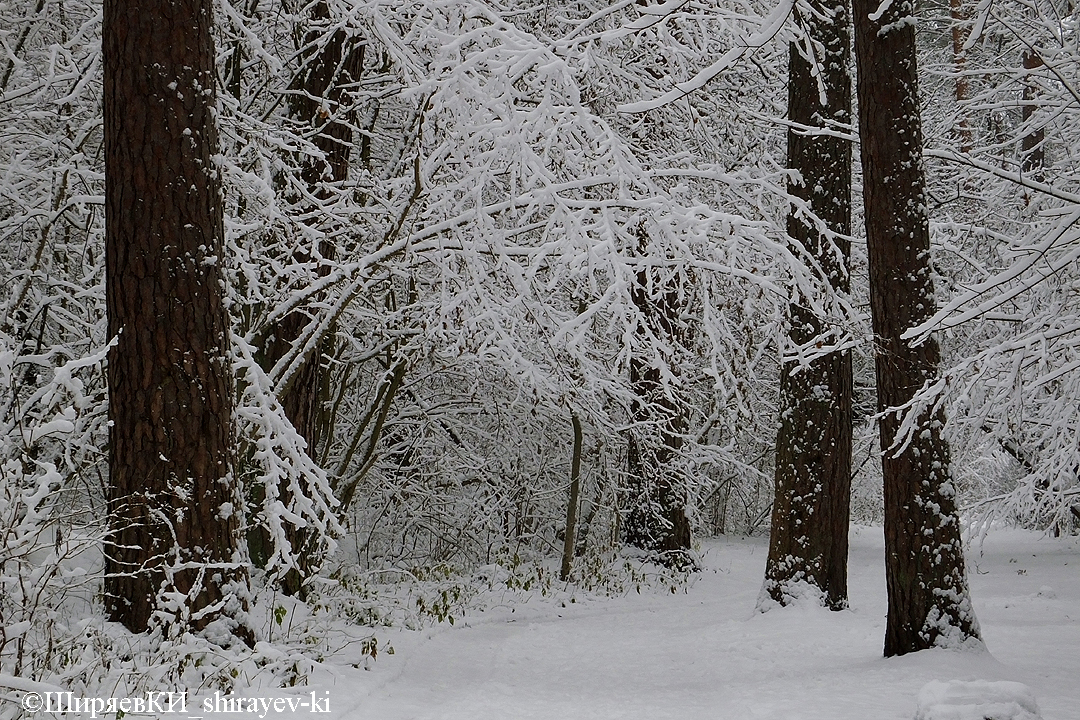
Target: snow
705 652
770 26
976 700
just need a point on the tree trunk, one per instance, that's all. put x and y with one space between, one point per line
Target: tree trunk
570 539
809 538
321 100
924 561
1033 156
958 14
174 506
656 518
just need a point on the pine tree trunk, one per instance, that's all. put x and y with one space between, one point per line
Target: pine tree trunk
173 501
924 561
809 538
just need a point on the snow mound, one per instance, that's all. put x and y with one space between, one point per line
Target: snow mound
794 593
976 700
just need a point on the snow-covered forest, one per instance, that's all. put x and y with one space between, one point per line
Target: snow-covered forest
328 322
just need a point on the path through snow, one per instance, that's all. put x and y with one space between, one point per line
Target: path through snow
705 653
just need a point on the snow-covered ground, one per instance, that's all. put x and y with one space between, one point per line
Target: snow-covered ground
705 653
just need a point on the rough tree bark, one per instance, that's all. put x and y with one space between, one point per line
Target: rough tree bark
924 561
809 537
1033 156
656 494
321 99
174 506
960 17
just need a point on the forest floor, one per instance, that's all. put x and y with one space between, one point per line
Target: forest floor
705 653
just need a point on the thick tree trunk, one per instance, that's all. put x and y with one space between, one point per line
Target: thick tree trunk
656 518
924 561
173 501
320 101
656 514
809 538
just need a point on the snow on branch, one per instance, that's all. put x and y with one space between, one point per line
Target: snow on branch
284 463
770 26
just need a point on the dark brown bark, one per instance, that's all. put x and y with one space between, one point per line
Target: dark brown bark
570 537
322 97
924 561
656 518
1033 156
173 502
958 13
656 514
809 538
321 101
